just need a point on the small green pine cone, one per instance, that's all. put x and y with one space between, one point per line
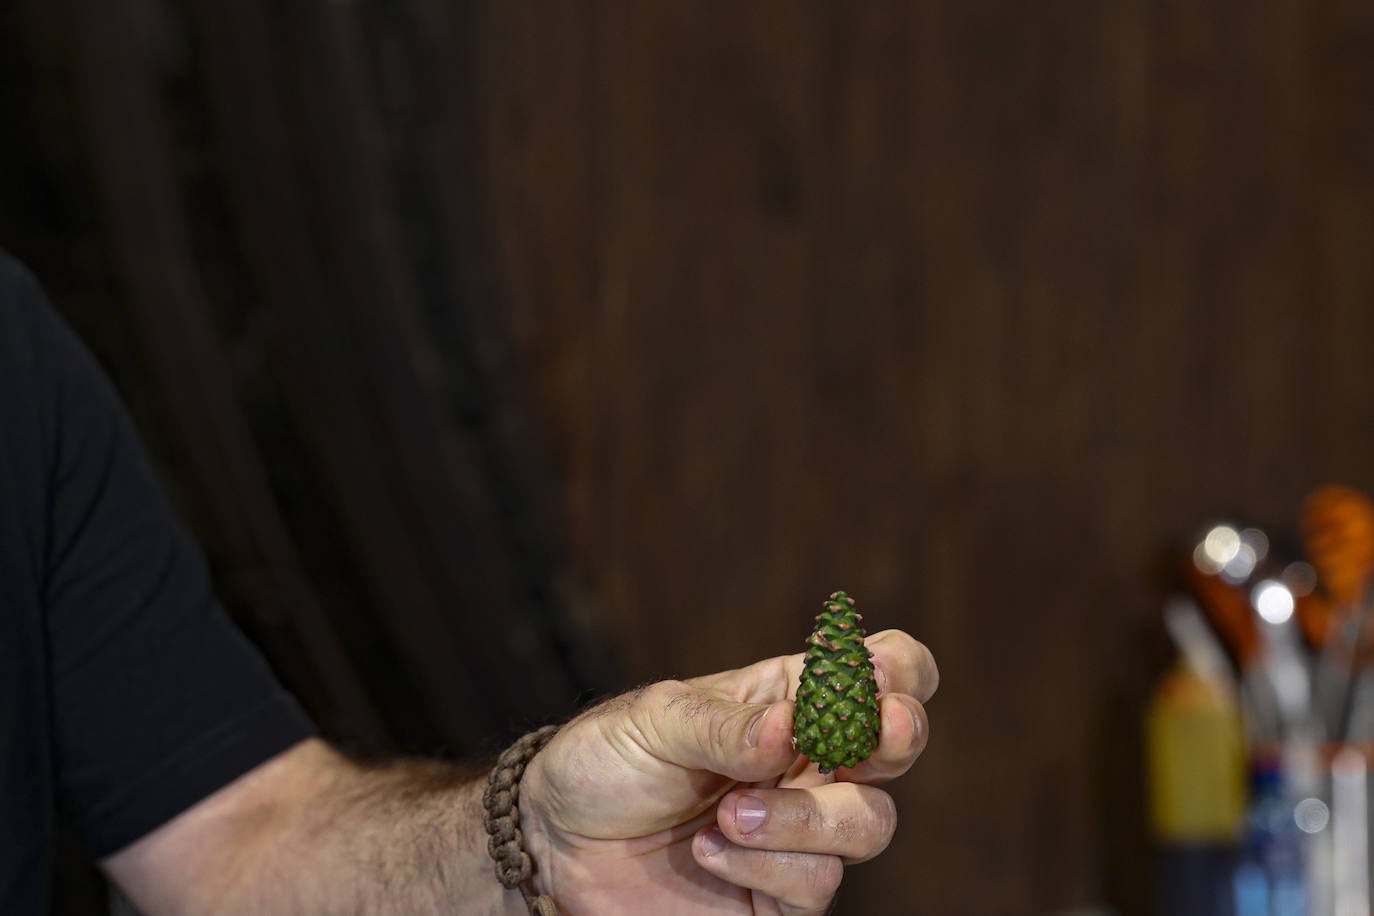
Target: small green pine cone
837 702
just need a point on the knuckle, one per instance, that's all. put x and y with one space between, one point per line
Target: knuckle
809 817
666 693
692 712
884 823
651 709
672 700
796 813
869 826
721 725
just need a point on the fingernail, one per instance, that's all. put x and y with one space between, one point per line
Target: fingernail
880 673
712 842
749 813
751 737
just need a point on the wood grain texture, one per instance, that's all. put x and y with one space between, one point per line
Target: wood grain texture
316 209
168 307
967 308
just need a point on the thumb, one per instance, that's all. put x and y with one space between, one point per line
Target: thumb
700 730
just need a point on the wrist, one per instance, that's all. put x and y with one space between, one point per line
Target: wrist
534 824
482 888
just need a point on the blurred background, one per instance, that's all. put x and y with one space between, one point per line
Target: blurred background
504 355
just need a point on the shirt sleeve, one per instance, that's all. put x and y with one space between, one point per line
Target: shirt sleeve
157 699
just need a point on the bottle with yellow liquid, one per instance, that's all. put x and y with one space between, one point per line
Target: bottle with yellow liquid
1196 747
1196 765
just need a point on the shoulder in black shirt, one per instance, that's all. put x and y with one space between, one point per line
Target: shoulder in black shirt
126 695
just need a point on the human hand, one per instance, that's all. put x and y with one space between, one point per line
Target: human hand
688 797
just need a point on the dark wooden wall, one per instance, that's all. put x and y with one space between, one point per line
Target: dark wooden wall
968 308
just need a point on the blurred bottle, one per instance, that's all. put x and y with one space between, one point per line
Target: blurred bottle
1195 745
1270 875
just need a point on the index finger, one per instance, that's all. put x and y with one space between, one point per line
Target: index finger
901 663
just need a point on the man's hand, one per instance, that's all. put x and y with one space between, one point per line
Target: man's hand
682 797
687 797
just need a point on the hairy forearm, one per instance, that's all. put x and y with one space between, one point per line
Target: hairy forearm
401 838
317 833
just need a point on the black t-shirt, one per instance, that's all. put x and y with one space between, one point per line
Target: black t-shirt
126 695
